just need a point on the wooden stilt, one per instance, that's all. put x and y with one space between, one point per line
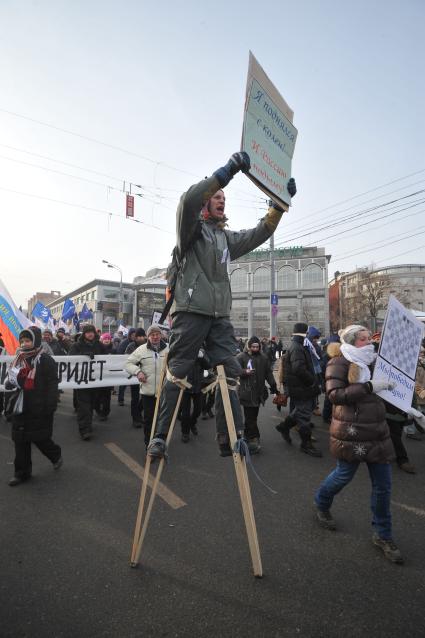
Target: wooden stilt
138 549
144 486
242 479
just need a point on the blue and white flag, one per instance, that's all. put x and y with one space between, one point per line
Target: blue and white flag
85 314
41 312
68 310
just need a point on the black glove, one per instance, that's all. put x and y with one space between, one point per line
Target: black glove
292 187
238 162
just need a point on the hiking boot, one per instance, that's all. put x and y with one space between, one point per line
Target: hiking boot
58 463
194 429
121 403
389 549
408 467
185 437
86 436
254 445
224 444
308 448
284 429
324 518
17 480
157 448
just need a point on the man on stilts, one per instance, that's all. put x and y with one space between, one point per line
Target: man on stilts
202 295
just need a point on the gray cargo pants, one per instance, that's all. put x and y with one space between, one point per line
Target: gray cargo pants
191 332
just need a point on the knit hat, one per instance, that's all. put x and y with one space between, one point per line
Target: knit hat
313 332
140 332
62 330
48 331
334 338
88 328
153 328
106 335
33 333
301 328
131 332
253 340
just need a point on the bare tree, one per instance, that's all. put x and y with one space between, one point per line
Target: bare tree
371 296
307 311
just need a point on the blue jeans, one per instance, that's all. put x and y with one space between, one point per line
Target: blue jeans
380 476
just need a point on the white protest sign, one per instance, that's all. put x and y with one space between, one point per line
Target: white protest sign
398 354
268 135
81 372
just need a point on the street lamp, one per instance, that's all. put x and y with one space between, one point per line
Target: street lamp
120 271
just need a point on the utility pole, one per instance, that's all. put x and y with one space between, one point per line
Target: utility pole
120 311
273 307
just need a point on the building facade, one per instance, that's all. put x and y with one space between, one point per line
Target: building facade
301 285
362 295
103 299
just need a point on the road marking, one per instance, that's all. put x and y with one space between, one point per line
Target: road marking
174 501
409 508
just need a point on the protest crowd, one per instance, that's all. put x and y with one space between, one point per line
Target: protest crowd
313 375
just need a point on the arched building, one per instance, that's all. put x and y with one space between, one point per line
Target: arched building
301 284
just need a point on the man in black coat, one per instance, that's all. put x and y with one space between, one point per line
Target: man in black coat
122 349
88 344
303 389
33 375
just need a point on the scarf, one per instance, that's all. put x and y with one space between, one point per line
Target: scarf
22 370
362 357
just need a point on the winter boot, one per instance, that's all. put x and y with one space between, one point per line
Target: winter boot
224 444
308 447
285 426
389 549
254 445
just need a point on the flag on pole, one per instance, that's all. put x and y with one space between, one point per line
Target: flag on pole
12 320
85 314
68 310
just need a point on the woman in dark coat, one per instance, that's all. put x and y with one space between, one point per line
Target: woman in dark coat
33 373
359 433
256 370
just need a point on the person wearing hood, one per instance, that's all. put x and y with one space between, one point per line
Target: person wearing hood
256 370
87 344
198 278
302 386
359 433
32 376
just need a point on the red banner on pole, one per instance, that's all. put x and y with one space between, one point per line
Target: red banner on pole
129 208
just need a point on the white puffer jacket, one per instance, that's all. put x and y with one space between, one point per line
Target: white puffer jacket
149 361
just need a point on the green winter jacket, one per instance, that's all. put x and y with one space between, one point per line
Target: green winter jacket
205 249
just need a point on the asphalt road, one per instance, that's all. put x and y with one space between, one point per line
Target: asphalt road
66 539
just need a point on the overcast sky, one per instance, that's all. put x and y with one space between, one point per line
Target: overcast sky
164 83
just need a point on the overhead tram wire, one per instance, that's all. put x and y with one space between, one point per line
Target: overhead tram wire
406 252
83 207
345 220
366 230
378 245
148 189
301 222
105 144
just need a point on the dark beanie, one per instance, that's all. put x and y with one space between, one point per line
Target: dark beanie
88 328
140 332
253 340
33 333
301 327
